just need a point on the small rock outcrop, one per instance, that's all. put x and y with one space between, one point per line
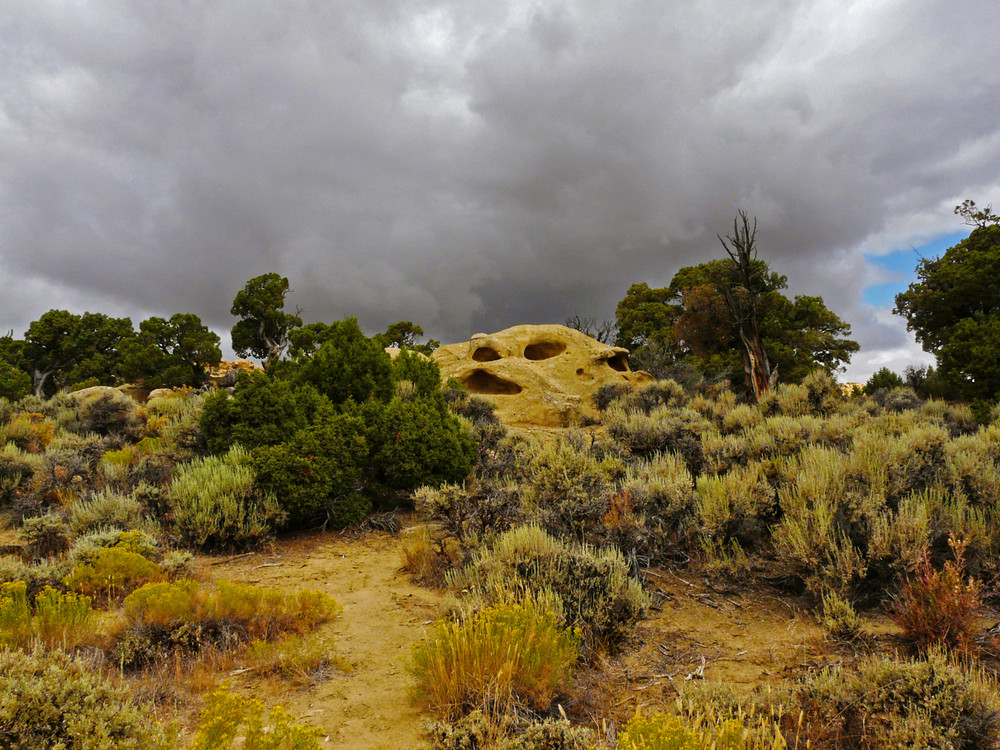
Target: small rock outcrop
541 375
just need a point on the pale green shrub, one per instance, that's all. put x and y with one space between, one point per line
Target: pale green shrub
723 452
656 498
653 396
106 509
714 408
973 466
664 430
216 505
85 548
44 536
840 619
823 392
882 703
824 510
566 488
917 461
789 400
49 701
592 589
735 506
741 417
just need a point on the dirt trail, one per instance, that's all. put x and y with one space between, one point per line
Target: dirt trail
384 614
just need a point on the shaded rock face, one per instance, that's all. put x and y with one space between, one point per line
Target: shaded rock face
537 375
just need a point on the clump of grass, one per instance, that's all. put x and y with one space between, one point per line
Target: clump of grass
505 657
299 659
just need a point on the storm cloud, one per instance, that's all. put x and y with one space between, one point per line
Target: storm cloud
470 165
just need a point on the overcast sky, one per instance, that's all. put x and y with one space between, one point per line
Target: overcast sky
473 164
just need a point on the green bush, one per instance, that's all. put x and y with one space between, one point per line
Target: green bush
49 701
216 504
262 411
884 379
14 383
506 657
314 471
350 366
419 442
591 589
883 703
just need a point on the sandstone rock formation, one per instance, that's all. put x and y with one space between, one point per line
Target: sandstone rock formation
224 375
537 374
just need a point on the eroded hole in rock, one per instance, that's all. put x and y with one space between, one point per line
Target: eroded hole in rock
544 349
481 381
619 362
486 354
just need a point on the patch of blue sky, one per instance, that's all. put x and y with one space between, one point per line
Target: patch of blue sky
901 266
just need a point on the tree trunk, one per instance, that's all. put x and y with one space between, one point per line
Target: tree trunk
38 378
756 367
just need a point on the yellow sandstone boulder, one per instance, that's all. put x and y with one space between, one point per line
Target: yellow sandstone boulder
541 375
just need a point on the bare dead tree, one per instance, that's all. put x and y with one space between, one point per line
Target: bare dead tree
604 331
743 292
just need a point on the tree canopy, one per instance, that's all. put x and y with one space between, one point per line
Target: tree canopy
264 326
170 352
954 308
62 349
690 324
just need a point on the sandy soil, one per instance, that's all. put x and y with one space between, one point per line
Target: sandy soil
694 631
384 615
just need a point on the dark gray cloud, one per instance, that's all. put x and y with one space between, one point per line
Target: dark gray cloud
470 164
